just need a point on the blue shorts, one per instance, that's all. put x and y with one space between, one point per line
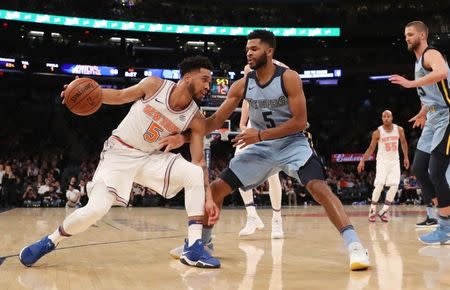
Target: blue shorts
261 160
435 131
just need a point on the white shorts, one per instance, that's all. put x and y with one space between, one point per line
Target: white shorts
120 166
388 173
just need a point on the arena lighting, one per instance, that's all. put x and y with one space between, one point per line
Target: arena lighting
164 28
376 78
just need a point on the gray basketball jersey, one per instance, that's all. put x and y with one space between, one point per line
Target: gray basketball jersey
269 103
437 94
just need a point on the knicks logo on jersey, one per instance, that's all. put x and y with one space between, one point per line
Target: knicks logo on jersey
159 124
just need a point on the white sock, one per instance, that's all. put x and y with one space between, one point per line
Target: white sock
56 237
251 210
275 191
194 231
373 207
276 214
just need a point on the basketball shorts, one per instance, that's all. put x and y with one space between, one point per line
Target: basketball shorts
257 162
387 173
435 134
121 165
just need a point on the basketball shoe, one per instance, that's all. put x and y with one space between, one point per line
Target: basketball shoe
384 216
277 228
196 256
253 223
359 257
372 216
178 251
32 253
428 223
440 236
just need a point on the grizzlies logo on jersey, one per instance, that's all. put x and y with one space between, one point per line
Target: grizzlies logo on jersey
268 103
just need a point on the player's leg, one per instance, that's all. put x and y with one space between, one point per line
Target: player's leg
275 199
312 174
420 170
392 181
111 183
100 202
380 179
439 161
246 171
167 174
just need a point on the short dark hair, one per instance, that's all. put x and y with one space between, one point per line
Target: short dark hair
419 25
195 63
265 36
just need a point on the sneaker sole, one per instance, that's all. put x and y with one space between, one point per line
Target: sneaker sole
435 244
251 233
359 266
426 226
197 264
175 256
277 236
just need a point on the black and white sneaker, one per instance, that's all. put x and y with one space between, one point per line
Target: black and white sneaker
428 223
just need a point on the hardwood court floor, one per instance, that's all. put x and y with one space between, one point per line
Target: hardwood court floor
129 250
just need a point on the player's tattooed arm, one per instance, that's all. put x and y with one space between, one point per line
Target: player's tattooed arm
234 97
197 127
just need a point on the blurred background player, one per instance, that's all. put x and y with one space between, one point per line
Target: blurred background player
253 220
388 163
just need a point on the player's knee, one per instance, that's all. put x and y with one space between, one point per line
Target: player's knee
194 172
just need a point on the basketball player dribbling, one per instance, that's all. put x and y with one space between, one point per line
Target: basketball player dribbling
132 153
388 163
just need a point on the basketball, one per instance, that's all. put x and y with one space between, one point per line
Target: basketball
83 96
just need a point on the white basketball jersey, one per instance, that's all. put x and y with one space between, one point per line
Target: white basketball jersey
388 145
151 119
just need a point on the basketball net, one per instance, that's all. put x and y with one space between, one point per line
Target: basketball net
223 133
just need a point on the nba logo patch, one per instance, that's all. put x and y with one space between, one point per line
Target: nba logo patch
182 118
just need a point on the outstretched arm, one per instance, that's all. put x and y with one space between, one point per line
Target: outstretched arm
434 61
234 97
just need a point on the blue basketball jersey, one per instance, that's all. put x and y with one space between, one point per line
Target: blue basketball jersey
268 103
437 94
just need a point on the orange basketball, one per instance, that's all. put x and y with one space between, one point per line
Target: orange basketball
83 96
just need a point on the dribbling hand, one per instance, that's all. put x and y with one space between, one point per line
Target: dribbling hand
64 89
212 210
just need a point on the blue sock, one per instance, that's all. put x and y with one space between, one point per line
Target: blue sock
430 212
349 235
206 234
444 222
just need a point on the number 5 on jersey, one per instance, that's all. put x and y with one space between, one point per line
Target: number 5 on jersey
153 132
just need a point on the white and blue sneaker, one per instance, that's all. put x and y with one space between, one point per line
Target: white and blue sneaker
440 236
196 256
32 253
